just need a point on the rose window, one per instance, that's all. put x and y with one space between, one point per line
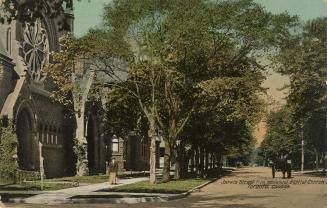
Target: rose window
36 49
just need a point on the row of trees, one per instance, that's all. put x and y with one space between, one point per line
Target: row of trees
303 59
192 69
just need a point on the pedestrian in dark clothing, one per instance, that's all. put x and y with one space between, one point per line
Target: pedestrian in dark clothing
286 167
273 168
283 167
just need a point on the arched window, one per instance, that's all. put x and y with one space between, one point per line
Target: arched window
115 143
55 135
51 134
8 45
46 134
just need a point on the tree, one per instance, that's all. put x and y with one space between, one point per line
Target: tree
303 59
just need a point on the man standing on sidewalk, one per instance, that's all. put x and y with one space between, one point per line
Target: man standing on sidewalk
113 171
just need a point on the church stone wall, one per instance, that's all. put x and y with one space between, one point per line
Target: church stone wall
136 153
6 83
51 130
54 163
119 155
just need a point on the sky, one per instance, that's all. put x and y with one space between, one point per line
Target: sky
89 13
305 9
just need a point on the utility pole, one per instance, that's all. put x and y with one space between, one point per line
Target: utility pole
302 148
325 140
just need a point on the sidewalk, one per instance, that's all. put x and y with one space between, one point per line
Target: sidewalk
64 195
309 171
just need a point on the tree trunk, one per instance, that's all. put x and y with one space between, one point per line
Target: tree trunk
197 157
218 161
210 161
317 159
167 159
324 162
178 165
207 160
201 161
302 151
192 161
152 136
185 165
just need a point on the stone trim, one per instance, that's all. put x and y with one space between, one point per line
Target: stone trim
8 62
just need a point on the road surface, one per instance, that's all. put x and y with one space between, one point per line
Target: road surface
244 188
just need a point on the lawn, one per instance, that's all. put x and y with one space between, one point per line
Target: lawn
81 179
35 186
65 182
3 182
174 186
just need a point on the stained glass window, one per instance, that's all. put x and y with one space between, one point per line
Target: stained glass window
36 49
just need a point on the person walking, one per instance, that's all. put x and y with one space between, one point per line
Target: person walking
113 171
283 167
273 168
287 166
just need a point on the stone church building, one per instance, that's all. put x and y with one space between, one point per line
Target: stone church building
45 134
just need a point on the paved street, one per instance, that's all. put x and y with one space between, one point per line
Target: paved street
244 188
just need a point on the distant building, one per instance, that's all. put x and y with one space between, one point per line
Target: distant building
260 132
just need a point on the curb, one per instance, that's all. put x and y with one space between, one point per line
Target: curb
117 200
185 194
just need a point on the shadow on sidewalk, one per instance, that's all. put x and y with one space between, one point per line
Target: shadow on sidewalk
230 201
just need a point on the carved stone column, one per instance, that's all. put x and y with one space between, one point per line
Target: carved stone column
81 146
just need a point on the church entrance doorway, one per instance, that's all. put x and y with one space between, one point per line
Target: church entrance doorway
26 144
